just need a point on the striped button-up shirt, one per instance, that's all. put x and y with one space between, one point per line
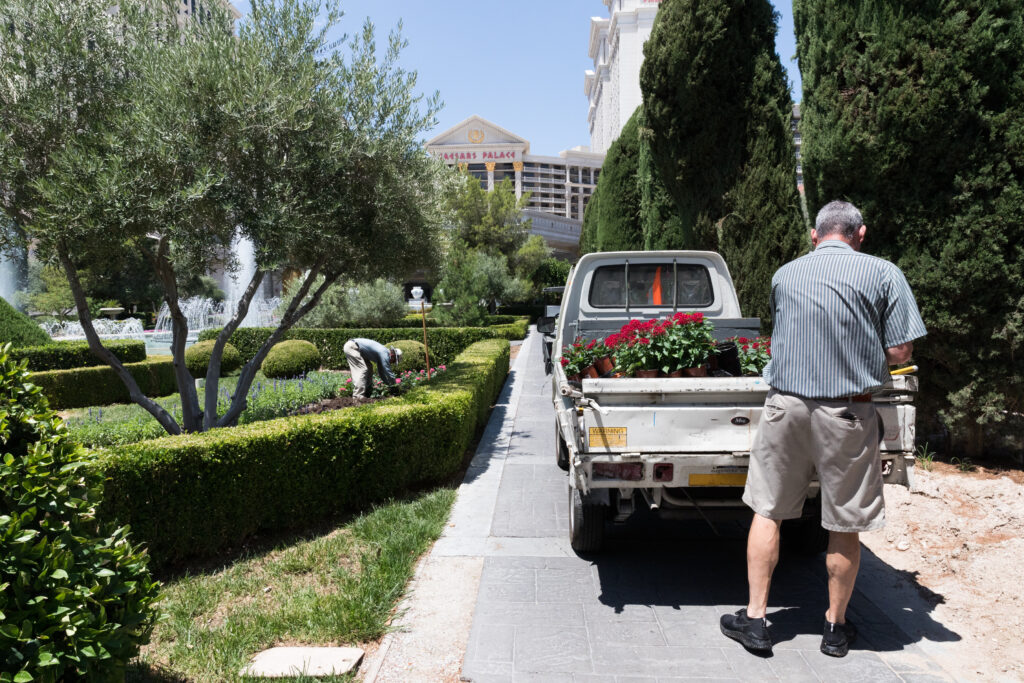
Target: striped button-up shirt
836 310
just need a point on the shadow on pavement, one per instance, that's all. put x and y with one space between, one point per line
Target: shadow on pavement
682 564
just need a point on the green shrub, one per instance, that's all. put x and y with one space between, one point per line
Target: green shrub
83 387
63 355
18 329
414 356
197 358
445 342
76 598
197 494
292 358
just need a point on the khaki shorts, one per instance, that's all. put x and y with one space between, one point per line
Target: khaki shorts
837 439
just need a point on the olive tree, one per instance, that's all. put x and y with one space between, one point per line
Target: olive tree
173 139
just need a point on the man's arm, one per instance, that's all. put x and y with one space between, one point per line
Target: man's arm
897 355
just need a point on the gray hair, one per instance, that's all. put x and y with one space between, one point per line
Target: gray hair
838 218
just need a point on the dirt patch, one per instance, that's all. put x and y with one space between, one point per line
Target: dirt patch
334 404
962 533
513 352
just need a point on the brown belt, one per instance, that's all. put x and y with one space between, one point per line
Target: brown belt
859 398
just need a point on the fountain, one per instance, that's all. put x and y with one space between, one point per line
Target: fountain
71 330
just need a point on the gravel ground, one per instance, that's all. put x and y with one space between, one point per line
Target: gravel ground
962 534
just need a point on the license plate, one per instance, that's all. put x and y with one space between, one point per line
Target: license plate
607 437
728 479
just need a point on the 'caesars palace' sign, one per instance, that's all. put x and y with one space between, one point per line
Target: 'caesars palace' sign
478 156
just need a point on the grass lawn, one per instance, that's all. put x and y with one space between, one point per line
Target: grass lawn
332 590
127 423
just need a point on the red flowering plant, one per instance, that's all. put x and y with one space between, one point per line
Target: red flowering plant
577 357
690 342
683 341
754 353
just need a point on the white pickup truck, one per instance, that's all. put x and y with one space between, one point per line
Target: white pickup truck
679 446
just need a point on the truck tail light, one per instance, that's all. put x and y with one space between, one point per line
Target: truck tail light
623 471
663 472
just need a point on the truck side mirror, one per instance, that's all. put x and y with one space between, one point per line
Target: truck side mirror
546 325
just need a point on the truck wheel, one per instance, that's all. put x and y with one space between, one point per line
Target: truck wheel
561 450
805 536
586 523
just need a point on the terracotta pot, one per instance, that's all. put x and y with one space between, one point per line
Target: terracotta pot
573 378
695 372
589 371
604 365
676 373
647 373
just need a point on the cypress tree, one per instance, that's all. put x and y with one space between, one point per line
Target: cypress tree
915 112
618 227
719 111
591 217
659 220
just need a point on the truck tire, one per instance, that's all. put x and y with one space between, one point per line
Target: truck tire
561 450
586 523
805 536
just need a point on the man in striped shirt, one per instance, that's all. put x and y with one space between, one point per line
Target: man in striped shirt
841 318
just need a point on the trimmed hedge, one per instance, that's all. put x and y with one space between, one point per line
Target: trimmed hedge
414 320
197 358
445 342
64 355
413 356
291 358
195 495
19 329
96 386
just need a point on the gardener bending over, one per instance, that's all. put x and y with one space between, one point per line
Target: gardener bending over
361 353
841 318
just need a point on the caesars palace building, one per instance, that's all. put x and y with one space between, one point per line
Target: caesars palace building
559 187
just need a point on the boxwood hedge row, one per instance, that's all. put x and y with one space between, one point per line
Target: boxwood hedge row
98 386
63 355
445 342
195 495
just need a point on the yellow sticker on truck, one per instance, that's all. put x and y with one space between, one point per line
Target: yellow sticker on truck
723 479
607 437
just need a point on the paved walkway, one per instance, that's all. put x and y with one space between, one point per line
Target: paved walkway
645 609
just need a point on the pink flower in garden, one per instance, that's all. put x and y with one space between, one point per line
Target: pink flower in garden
398 381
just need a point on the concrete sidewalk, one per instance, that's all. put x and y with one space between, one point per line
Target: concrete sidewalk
502 596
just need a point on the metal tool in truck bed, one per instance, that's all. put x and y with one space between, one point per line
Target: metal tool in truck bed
679 446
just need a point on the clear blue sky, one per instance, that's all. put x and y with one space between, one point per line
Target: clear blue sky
517 64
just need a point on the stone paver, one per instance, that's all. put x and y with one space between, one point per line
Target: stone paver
647 608
281 662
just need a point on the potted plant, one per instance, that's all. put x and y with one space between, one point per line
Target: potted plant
602 354
754 353
577 359
690 343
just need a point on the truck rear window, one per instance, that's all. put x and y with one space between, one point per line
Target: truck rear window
651 285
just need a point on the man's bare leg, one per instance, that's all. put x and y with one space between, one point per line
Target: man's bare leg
762 556
842 562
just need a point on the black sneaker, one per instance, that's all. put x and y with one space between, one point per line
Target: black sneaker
752 633
836 638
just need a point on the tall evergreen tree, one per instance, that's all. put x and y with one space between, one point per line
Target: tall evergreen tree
591 218
719 111
659 220
618 226
915 112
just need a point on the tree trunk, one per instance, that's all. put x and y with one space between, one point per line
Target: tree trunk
291 316
96 346
216 355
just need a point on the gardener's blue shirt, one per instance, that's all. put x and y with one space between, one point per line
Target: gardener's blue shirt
375 352
836 310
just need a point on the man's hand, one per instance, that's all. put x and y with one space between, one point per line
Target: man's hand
898 355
